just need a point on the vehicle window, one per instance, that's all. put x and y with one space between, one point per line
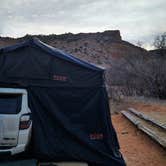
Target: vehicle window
10 103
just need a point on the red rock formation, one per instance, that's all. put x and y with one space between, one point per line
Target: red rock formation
96 48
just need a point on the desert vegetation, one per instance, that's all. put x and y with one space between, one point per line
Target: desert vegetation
142 75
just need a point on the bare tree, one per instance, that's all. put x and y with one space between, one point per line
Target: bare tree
139 43
160 41
139 75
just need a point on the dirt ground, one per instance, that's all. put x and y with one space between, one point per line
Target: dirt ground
145 106
137 148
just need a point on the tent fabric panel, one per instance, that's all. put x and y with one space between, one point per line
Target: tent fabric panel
26 63
75 74
29 65
67 121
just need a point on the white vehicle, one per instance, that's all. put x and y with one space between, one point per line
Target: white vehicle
15 121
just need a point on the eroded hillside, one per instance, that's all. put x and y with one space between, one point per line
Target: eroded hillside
96 48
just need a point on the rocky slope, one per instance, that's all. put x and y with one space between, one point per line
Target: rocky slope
96 48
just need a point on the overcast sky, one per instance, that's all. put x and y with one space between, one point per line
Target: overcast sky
138 20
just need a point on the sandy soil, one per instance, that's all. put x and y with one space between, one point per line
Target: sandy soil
146 106
137 148
154 110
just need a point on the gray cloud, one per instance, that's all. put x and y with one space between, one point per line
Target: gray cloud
137 20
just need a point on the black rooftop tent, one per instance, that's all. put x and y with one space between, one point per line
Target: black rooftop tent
69 104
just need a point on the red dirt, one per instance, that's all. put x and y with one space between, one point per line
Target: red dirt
137 148
148 107
154 110
139 105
